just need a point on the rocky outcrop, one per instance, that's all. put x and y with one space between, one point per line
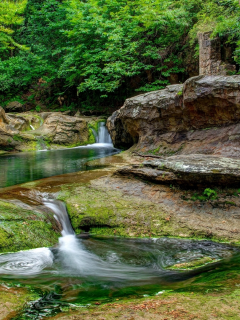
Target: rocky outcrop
203 113
28 131
210 57
160 111
62 129
191 170
15 106
7 132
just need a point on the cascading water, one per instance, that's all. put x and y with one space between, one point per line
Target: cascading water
75 259
32 127
81 271
102 137
103 134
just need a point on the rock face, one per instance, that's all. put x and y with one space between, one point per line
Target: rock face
15 106
191 170
211 101
210 58
28 131
7 132
202 114
159 109
62 129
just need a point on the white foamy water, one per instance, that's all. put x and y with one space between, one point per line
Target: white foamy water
103 135
26 262
76 260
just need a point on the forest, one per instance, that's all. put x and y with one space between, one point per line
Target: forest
93 54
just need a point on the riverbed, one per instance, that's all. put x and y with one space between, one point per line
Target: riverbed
83 269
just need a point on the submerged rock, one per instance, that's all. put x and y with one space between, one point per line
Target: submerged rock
191 170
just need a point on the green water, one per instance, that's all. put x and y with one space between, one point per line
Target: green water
86 270
30 166
98 270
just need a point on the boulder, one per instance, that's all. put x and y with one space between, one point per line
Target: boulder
190 170
211 101
6 132
15 106
62 129
154 112
174 118
18 122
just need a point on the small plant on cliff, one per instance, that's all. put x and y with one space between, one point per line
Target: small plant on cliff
210 194
38 108
207 194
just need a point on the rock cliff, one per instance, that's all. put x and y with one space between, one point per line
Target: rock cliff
201 116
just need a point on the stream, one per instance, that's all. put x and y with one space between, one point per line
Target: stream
81 270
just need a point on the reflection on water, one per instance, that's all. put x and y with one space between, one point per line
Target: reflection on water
30 166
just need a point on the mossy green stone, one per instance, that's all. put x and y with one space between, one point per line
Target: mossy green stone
22 229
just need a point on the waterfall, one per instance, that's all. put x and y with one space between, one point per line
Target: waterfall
76 260
32 127
103 135
61 215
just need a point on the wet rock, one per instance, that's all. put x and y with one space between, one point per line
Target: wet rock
191 170
25 227
15 106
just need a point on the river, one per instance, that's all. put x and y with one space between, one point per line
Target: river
82 270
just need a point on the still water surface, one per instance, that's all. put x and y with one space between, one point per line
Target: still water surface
30 166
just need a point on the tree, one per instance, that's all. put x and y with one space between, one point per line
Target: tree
10 14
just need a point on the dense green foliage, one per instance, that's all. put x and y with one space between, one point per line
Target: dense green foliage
97 52
10 14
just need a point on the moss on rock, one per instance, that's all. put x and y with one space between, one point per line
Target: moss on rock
107 212
22 229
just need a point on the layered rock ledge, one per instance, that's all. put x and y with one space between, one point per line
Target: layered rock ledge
30 131
200 116
191 170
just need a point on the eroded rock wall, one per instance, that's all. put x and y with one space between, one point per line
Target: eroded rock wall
201 116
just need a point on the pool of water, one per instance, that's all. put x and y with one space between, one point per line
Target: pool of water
86 270
94 270
30 166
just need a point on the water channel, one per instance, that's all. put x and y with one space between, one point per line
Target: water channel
84 270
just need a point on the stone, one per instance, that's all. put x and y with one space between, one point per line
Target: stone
148 174
6 132
210 59
78 114
18 122
174 120
190 170
62 129
15 106
159 111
